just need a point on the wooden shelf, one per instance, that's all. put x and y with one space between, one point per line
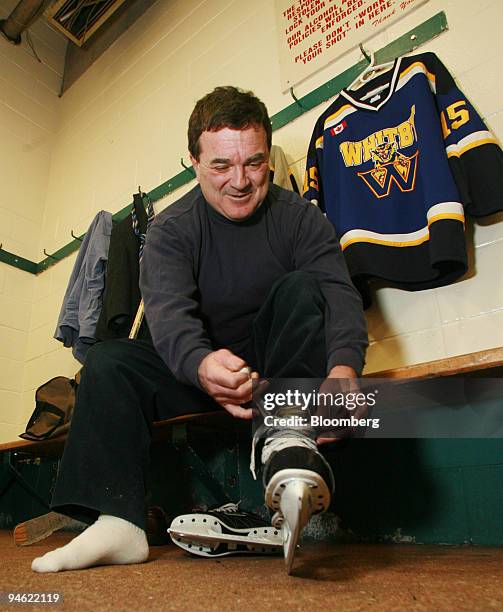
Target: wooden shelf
482 360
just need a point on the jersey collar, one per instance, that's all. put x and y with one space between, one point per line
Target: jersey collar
355 96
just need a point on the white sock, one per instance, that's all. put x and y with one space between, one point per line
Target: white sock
109 541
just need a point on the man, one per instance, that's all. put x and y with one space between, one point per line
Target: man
238 276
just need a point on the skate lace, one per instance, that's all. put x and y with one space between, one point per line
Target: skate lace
280 438
272 445
229 508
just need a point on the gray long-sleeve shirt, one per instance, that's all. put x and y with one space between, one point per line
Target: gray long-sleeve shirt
82 303
204 277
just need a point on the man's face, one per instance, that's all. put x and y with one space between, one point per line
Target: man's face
233 170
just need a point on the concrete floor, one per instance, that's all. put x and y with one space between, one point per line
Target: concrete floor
327 576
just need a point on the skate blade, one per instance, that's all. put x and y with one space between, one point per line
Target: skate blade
294 495
209 545
214 537
296 508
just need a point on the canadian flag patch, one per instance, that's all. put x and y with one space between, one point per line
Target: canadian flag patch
338 128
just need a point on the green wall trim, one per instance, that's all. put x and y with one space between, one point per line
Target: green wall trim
419 35
18 262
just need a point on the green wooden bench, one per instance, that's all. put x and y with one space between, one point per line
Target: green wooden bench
173 431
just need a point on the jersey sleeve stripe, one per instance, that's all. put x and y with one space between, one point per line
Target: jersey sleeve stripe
412 70
337 117
319 142
396 240
446 216
471 141
444 210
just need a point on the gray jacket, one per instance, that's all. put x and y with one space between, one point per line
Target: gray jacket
83 298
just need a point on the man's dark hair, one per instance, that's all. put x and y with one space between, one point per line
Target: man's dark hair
226 107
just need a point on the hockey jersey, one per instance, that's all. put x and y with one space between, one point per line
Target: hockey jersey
395 166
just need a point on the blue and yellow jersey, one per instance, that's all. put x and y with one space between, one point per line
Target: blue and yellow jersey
396 165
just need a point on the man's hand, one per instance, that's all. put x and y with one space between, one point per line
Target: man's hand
224 377
340 371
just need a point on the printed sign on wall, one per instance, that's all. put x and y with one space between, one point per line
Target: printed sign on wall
312 33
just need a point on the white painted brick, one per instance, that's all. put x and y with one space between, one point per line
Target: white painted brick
25 60
405 350
482 30
40 342
45 312
11 374
14 76
145 97
474 334
89 129
478 86
26 251
27 232
45 117
488 229
295 137
9 432
13 343
477 294
240 19
4 241
42 285
31 134
14 313
10 407
495 124
395 312
26 407
19 284
41 369
8 219
31 193
170 32
3 270
60 276
11 155
48 98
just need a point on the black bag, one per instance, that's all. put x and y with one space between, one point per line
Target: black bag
54 402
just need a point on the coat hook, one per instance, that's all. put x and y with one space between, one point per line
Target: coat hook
189 168
76 237
51 256
365 54
296 100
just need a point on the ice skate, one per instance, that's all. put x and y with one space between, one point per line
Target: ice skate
225 531
295 478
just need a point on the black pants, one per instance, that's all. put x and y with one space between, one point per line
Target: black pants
125 386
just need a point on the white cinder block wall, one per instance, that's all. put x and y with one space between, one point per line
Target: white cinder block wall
123 124
29 114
